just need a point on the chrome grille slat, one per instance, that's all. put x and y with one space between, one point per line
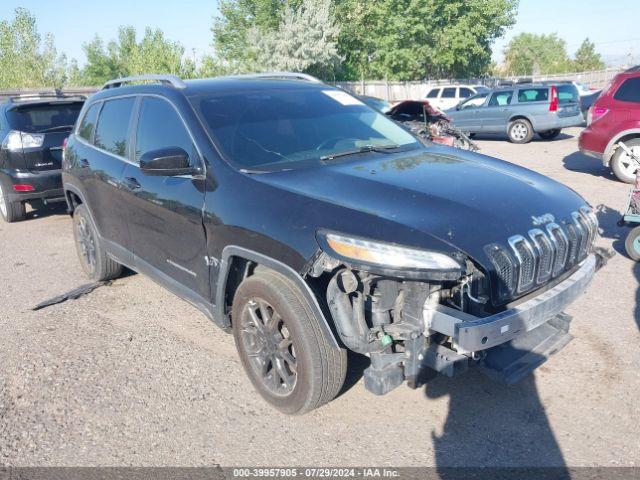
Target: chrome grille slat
548 252
545 254
526 262
561 245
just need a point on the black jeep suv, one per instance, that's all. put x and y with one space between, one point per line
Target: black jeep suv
307 223
32 130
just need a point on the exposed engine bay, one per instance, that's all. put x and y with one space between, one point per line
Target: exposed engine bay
431 124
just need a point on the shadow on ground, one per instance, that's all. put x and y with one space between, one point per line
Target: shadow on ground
493 425
495 137
608 219
579 162
47 211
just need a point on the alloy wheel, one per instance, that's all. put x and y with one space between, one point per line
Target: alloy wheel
87 243
519 132
628 164
268 343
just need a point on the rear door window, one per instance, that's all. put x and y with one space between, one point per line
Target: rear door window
465 92
629 91
88 123
44 117
533 95
448 93
159 126
501 99
113 126
433 93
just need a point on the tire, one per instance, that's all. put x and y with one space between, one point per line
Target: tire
93 259
632 244
298 370
549 134
520 131
10 211
622 165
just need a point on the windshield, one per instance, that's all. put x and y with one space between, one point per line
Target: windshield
284 128
44 117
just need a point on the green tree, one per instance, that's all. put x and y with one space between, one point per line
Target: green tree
530 53
413 39
237 17
26 60
587 58
126 56
305 41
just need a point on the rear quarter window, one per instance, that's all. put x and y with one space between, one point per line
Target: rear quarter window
433 93
567 94
533 95
629 91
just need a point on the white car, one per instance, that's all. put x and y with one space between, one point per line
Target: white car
448 96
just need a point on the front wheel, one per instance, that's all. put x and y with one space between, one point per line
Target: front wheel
624 167
520 131
549 134
632 244
94 260
289 359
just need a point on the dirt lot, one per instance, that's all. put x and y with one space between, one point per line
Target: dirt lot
130 375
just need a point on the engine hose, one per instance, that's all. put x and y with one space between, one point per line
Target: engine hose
349 319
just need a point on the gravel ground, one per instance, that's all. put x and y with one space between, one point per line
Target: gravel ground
131 375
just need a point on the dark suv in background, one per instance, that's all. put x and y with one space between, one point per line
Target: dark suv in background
307 223
32 131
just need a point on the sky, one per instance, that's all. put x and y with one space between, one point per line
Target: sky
612 25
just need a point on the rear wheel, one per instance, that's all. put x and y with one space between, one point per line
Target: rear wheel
549 134
95 262
624 167
520 131
288 357
632 244
10 211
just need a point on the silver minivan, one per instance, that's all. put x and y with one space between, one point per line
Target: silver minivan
520 111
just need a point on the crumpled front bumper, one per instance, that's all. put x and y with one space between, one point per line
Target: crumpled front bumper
474 334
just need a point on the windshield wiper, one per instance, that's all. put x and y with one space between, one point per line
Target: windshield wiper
53 129
364 149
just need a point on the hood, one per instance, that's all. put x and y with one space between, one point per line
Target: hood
464 199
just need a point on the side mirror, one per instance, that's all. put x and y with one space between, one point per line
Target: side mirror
459 107
166 162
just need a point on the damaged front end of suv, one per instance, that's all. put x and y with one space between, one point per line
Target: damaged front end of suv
413 312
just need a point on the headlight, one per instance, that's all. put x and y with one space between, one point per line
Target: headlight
388 255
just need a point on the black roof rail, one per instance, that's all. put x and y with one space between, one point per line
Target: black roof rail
635 69
281 75
171 80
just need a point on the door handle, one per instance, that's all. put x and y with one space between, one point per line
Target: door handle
84 163
132 183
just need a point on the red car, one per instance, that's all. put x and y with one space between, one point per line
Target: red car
615 118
